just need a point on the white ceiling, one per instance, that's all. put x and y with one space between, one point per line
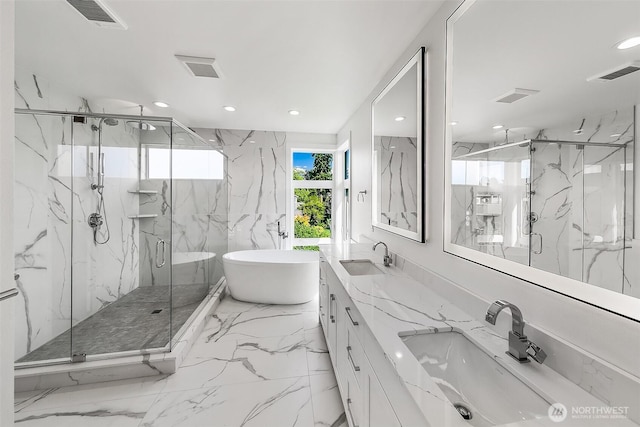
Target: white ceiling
320 57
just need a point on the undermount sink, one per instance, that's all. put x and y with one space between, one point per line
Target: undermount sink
360 267
474 382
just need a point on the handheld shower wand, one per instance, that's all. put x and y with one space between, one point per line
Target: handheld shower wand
96 219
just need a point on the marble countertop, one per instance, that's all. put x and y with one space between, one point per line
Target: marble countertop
393 302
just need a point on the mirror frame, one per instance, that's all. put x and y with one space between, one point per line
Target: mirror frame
420 235
616 303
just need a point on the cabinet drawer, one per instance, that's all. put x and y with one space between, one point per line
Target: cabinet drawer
353 403
354 353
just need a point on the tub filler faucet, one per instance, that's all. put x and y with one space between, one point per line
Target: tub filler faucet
282 234
520 348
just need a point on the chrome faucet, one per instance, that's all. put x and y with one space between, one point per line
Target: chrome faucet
282 234
520 348
387 258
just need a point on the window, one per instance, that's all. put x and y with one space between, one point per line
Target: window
187 164
312 184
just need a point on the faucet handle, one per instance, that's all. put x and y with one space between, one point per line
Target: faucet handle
536 352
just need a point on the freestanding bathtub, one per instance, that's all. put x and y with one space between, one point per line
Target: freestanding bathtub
272 276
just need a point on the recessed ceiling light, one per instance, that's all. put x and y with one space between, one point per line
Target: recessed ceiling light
393 146
496 127
629 43
252 142
399 118
294 112
229 108
212 140
160 104
615 135
453 123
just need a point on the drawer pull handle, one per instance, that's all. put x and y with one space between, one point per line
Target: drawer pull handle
353 421
355 368
348 309
332 298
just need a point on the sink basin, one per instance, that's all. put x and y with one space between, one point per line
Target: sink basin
360 267
473 381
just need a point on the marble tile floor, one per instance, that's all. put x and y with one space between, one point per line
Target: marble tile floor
130 323
253 365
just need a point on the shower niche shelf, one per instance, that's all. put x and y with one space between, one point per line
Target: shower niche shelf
141 216
142 191
489 204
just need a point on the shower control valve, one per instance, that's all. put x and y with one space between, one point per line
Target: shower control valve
95 220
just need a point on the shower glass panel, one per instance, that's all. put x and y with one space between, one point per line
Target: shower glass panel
491 195
199 206
42 235
578 203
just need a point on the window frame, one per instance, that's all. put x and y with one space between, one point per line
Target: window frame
310 184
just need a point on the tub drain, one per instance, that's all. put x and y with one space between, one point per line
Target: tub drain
463 411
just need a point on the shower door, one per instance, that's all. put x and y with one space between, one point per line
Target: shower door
578 211
121 266
491 195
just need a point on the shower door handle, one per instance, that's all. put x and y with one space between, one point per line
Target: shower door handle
538 252
160 243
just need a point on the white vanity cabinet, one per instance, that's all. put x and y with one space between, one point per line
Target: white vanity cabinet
364 398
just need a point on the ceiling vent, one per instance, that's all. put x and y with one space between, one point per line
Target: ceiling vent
515 95
617 72
201 67
99 13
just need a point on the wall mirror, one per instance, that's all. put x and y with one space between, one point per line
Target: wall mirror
397 147
541 113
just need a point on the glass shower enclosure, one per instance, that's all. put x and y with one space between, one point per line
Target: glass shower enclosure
116 244
559 206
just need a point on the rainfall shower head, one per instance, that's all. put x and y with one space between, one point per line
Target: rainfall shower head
141 125
109 121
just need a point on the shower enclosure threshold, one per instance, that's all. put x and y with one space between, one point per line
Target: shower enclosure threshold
123 364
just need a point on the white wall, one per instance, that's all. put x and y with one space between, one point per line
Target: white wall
606 335
6 208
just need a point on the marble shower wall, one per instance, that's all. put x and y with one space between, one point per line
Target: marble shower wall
51 198
397 197
256 183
